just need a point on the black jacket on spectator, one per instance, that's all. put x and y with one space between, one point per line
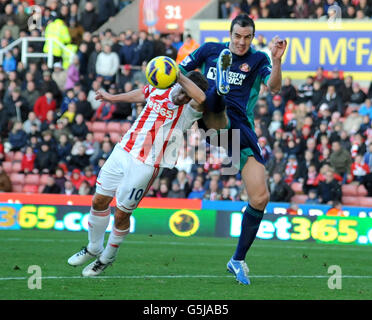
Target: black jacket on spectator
78 162
282 192
128 54
329 191
46 160
358 97
334 103
106 9
64 152
85 108
79 130
4 120
144 51
18 140
54 189
89 20
52 87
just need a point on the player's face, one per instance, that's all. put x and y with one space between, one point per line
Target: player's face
241 39
181 98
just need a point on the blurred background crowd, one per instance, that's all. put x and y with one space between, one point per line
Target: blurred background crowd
55 137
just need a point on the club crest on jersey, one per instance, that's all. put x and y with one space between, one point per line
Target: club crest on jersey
245 67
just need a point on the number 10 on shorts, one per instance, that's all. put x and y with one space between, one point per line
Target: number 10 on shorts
136 194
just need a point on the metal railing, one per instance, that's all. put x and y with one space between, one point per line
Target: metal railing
25 55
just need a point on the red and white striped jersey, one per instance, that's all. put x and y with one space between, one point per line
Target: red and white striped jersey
156 136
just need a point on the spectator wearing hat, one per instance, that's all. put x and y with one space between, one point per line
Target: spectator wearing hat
276 104
76 178
43 104
59 75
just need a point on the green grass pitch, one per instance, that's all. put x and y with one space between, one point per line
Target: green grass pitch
172 268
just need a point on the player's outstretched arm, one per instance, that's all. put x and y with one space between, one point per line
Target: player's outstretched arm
275 81
193 91
133 96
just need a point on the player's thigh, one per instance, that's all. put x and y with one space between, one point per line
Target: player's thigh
254 178
112 173
135 185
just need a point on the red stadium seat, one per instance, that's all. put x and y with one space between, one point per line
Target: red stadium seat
297 187
299 198
17 179
350 201
115 137
113 127
9 156
8 167
98 136
17 188
89 125
349 190
365 202
32 179
30 188
18 156
44 179
17 167
362 191
99 126
125 126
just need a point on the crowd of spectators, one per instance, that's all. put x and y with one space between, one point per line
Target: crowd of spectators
317 134
299 9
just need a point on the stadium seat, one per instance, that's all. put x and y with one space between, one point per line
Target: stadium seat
113 127
89 125
18 156
297 187
41 188
9 156
299 198
8 167
17 167
17 179
17 188
98 136
115 137
350 201
365 202
99 126
30 188
362 191
32 179
125 126
349 190
44 179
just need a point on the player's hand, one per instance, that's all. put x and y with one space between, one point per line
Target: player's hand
278 48
102 95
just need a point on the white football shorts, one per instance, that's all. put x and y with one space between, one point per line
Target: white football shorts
125 177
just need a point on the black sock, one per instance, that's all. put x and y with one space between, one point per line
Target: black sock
250 224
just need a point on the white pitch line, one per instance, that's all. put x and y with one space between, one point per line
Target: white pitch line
202 244
185 276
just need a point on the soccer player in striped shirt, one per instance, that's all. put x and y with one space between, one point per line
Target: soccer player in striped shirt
152 143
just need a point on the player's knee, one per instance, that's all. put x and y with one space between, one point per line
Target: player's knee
100 202
260 200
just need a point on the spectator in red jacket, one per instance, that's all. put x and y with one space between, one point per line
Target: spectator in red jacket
104 112
76 178
43 104
28 160
358 169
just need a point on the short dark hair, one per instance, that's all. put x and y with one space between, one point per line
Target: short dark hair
243 20
198 79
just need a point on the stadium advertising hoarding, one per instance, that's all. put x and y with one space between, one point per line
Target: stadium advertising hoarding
223 221
347 47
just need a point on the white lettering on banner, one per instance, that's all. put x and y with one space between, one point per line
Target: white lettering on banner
235 78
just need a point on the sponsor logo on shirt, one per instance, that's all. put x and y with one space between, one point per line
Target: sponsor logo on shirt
235 78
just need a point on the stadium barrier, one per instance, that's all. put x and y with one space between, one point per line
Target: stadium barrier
346 46
185 218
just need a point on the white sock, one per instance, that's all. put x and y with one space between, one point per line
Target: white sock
97 225
115 239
